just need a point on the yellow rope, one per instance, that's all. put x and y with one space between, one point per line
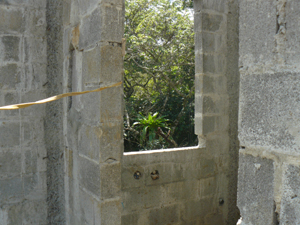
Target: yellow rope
54 98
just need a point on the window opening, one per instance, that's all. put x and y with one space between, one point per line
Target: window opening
159 75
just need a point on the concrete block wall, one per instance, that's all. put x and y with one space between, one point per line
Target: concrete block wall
268 180
23 176
189 189
217 90
61 163
23 63
93 123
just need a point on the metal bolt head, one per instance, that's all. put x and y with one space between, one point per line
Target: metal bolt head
154 175
137 175
221 201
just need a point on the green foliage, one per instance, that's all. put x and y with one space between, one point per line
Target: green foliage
159 68
149 125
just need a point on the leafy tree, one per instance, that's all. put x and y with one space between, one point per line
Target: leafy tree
159 69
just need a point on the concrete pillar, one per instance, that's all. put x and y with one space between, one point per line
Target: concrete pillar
93 123
217 93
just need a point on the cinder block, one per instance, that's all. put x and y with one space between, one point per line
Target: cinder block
211 22
89 175
89 141
30 183
222 123
110 180
86 6
114 2
259 18
130 219
105 107
113 23
35 187
209 64
11 190
271 120
35 80
182 191
111 141
102 64
208 42
168 172
199 57
197 210
67 12
206 167
34 212
35 50
11 214
217 5
217 143
220 84
30 161
11 46
165 215
105 23
141 198
209 105
90 29
35 22
10 76
90 111
9 99
208 124
198 27
292 45
256 189
208 187
220 63
37 3
111 105
87 213
128 179
14 20
214 218
198 123
136 159
10 134
198 103
10 163
108 212
290 204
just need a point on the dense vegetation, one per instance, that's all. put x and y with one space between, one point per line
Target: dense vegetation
159 75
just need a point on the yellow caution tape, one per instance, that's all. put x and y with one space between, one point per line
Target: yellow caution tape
54 98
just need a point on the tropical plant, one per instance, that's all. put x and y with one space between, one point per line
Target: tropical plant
150 125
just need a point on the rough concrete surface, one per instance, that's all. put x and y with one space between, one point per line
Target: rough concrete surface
269 108
63 163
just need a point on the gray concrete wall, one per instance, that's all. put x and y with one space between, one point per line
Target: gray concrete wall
269 112
217 90
61 163
23 66
93 123
189 189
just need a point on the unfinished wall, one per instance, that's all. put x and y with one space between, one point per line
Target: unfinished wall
23 63
188 189
268 190
93 123
217 90
61 163
197 185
